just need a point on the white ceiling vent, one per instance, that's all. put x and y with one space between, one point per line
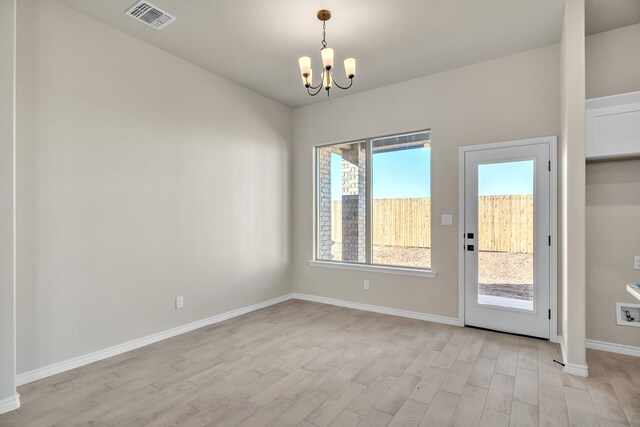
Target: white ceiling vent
151 15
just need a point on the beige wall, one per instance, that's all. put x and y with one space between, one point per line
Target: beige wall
613 62
507 98
613 194
122 207
7 259
613 224
572 186
141 177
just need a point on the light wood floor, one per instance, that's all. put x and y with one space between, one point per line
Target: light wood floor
301 363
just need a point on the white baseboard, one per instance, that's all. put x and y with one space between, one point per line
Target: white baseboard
579 370
380 309
572 368
628 350
583 370
76 362
10 404
56 368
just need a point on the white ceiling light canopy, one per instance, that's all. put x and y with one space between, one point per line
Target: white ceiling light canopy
326 78
151 15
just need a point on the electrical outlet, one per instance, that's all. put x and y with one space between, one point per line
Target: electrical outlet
366 285
446 219
636 262
179 302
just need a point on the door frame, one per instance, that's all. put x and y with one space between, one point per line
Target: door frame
553 222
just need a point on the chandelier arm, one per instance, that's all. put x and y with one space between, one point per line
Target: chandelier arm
345 87
319 84
317 92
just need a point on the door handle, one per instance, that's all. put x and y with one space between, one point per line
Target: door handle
470 248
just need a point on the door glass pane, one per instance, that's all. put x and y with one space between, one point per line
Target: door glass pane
505 234
341 209
401 207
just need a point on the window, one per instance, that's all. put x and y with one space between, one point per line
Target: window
374 201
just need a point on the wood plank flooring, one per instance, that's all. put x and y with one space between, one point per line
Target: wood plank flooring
306 364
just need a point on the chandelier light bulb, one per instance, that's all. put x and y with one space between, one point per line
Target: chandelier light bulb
350 67
327 80
307 81
305 66
327 57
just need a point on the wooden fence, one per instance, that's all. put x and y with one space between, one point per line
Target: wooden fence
505 223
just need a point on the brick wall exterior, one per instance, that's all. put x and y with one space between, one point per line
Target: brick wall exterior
354 203
324 203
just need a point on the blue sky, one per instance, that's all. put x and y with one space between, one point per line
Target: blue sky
505 178
405 174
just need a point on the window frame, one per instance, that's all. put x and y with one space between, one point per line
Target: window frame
368 265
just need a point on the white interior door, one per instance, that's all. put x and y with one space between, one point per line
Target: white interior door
507 238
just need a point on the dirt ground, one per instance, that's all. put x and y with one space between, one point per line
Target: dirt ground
502 274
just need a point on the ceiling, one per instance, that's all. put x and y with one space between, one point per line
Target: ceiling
257 43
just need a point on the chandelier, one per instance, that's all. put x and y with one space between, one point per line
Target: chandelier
326 78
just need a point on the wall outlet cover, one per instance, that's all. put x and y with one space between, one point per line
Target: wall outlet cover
636 262
179 302
447 219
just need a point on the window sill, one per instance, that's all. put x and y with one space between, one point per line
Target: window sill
374 268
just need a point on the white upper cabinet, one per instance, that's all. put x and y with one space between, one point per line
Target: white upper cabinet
613 126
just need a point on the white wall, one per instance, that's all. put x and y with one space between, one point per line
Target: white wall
572 186
140 177
612 194
503 99
7 258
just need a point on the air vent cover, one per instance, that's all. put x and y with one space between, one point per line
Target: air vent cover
151 15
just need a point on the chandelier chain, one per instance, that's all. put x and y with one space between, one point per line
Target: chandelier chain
324 34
